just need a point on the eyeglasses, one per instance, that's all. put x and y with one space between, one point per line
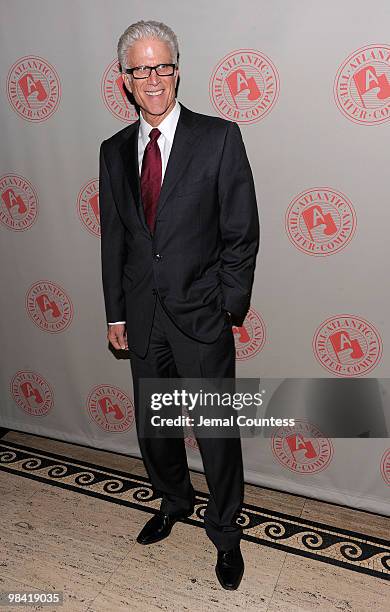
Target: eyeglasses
143 72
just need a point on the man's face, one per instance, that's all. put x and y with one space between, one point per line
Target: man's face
155 95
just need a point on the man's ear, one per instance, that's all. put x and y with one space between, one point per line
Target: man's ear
126 82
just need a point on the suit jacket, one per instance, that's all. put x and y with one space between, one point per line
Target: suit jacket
202 254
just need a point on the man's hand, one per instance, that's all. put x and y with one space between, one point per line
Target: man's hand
117 336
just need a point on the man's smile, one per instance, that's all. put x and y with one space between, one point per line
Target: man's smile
154 93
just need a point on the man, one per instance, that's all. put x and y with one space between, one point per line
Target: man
179 238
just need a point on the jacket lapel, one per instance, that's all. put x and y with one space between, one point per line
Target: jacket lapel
180 155
129 154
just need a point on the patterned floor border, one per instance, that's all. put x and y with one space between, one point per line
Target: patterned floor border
347 549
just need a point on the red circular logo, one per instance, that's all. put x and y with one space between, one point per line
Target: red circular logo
385 466
362 85
18 202
244 86
249 339
114 94
302 448
49 306
110 408
33 88
88 206
32 393
320 221
347 345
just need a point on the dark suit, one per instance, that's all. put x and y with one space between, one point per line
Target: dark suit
177 283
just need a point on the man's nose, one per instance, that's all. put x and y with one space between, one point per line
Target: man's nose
154 79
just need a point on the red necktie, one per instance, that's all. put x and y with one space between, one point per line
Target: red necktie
151 173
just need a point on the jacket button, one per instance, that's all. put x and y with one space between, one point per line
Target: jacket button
157 256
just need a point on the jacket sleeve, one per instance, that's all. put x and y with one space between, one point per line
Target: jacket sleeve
239 225
113 247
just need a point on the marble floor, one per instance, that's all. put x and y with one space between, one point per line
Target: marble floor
70 516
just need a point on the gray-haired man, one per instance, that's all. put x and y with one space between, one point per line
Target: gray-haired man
179 238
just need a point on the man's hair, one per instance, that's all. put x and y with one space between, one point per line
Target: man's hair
146 29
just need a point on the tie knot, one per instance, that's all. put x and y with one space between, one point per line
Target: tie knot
154 134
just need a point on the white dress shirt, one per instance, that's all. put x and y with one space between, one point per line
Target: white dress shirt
167 128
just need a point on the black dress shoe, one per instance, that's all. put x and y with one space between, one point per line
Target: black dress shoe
159 526
230 568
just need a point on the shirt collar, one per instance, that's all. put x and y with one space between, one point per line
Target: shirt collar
167 126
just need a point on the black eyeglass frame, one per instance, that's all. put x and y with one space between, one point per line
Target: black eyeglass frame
131 70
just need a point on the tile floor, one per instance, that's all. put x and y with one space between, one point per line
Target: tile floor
61 533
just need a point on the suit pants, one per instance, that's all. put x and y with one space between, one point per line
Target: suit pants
173 354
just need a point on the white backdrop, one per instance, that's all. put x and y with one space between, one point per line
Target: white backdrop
309 85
